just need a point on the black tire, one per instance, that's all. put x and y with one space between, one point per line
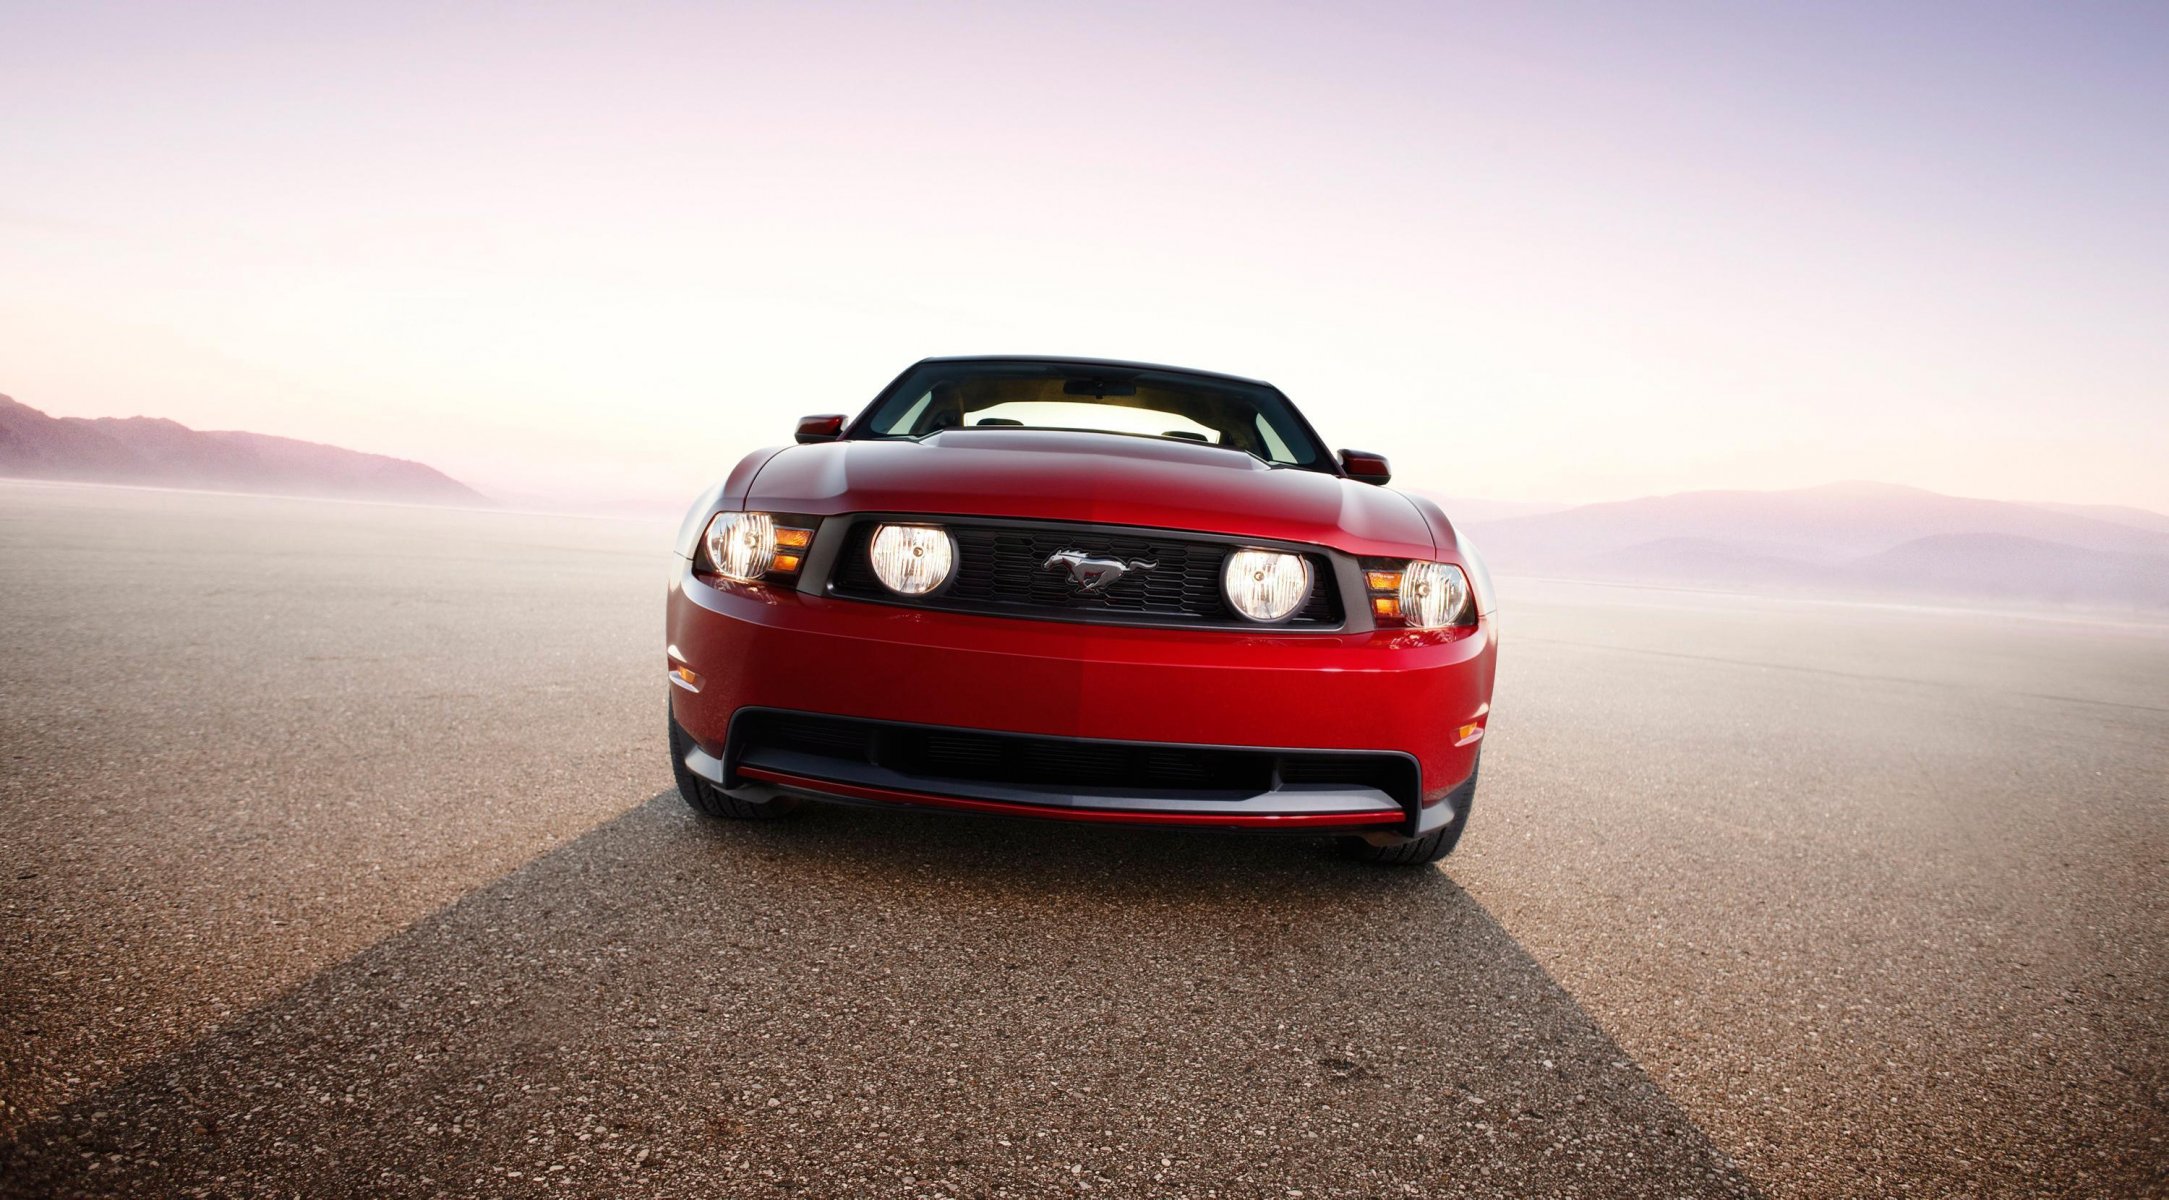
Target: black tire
711 801
1431 847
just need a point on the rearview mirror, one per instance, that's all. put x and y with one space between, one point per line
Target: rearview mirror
1365 466
825 428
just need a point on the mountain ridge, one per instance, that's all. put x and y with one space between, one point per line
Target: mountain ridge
1858 538
163 452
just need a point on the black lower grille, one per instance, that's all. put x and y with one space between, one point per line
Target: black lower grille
1003 569
932 753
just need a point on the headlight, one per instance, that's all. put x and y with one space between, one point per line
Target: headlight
912 560
1433 594
1420 595
747 546
741 545
1265 585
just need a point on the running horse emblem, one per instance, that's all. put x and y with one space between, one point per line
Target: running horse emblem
1089 574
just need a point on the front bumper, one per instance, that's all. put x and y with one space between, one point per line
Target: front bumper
1401 694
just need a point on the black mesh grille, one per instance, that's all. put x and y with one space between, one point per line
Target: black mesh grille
1002 569
966 754
1388 775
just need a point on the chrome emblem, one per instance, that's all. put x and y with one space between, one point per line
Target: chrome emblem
1088 574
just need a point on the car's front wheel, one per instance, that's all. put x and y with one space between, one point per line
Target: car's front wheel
711 801
1420 851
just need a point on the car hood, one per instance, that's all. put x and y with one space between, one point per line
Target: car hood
1105 479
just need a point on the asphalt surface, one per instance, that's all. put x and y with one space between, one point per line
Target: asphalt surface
337 857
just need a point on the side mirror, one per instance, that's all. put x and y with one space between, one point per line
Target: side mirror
825 428
1366 467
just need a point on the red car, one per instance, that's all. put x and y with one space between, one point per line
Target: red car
1088 591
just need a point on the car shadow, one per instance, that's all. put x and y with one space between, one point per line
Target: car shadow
894 1003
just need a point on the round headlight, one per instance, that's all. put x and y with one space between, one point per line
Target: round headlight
741 545
912 560
1265 585
1433 594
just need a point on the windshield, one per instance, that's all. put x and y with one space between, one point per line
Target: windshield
1140 402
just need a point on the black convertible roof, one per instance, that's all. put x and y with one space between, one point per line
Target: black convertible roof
1069 360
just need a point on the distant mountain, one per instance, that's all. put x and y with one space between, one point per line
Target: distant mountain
1822 524
1701 561
2120 514
1849 538
151 450
1999 567
1464 510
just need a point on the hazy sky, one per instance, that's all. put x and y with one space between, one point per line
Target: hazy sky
1566 252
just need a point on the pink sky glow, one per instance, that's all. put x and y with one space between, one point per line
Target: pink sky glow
593 253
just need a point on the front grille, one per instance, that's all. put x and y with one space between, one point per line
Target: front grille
934 754
1002 569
